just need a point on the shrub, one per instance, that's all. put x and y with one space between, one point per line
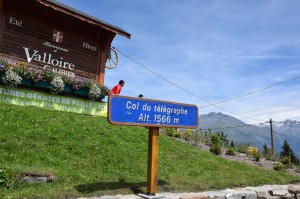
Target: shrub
47 75
94 92
187 135
196 137
57 85
268 154
179 134
251 151
242 148
67 80
278 166
169 132
257 155
22 70
231 151
104 90
216 144
11 78
286 161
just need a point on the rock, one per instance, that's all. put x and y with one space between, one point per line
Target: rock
262 194
279 192
193 196
249 195
294 189
233 196
33 177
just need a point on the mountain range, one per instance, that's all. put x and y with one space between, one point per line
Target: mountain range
255 135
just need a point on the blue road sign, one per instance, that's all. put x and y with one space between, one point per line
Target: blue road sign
135 111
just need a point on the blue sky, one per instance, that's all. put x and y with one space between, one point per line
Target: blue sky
213 49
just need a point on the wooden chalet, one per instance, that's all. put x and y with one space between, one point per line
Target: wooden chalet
48 34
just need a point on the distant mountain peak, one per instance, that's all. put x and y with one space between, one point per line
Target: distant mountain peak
290 121
239 132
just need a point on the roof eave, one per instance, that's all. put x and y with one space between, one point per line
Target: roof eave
84 17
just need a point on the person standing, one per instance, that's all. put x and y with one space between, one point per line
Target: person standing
116 90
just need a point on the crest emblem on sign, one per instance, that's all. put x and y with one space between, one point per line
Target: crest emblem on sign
57 36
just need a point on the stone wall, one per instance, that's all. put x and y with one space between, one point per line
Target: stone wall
291 191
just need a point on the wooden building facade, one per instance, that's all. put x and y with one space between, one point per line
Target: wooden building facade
48 34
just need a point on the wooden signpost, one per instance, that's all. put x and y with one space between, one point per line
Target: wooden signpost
132 111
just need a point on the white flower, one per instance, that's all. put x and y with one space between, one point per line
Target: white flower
95 91
57 85
11 78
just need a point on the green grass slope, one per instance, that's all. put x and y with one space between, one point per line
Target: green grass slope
90 157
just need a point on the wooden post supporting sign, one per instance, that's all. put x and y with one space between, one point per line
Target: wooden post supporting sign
152 172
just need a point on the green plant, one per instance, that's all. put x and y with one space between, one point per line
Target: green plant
196 137
44 75
231 151
179 134
94 92
216 144
57 85
11 78
287 151
257 155
22 70
67 80
104 90
6 178
268 153
224 139
278 167
286 161
169 132
187 135
242 148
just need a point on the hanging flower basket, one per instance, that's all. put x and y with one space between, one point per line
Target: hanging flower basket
67 88
82 92
26 82
42 84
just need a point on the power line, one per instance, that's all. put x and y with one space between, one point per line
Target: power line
181 87
252 92
230 127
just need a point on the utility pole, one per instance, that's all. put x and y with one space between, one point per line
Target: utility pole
272 139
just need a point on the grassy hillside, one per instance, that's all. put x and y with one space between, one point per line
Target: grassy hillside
90 157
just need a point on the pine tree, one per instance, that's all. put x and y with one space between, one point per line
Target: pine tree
287 152
232 144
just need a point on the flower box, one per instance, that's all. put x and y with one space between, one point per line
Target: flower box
26 82
67 88
82 92
42 84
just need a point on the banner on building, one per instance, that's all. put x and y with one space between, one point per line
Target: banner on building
25 97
